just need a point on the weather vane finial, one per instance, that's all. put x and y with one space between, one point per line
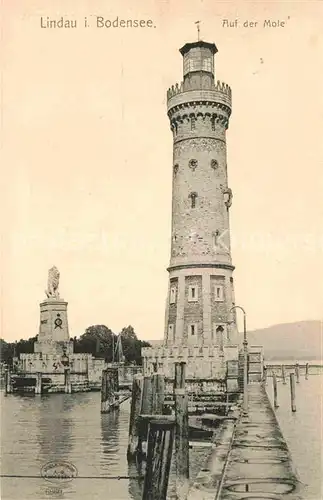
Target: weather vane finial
198 29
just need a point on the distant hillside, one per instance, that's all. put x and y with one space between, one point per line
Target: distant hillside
301 340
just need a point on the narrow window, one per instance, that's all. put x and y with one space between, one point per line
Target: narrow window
218 293
219 335
213 123
192 122
170 332
193 197
192 294
215 238
192 330
172 295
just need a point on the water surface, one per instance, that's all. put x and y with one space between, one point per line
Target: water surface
303 430
69 427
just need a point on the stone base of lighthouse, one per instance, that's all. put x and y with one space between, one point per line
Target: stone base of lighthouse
208 368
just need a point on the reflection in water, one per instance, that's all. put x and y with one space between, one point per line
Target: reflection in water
136 473
114 431
55 427
110 433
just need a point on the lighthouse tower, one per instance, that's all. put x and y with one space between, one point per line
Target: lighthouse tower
200 273
198 322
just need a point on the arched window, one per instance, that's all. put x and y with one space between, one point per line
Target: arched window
193 197
219 334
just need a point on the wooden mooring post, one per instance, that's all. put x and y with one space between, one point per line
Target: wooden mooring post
109 400
38 386
160 447
283 374
136 403
297 372
276 405
292 392
181 431
158 393
8 383
146 409
67 381
147 396
306 371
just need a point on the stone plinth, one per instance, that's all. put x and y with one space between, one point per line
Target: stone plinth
53 348
53 321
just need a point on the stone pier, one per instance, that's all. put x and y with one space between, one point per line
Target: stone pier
250 458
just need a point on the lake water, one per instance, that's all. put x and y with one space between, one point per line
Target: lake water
39 429
303 430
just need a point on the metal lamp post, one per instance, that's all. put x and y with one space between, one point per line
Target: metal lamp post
245 359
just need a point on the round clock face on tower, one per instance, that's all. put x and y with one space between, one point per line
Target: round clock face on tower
193 164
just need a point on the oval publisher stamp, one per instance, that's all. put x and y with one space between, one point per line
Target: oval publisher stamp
58 471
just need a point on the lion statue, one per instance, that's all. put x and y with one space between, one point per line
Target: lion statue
52 283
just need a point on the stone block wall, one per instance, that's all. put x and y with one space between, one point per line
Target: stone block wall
255 363
206 362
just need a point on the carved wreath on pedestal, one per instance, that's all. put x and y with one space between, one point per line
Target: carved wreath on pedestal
58 321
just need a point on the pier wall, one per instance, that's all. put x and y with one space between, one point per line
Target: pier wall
84 368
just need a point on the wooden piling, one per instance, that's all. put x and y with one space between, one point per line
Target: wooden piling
276 405
136 402
8 384
160 446
297 372
38 386
115 385
67 381
292 392
181 431
283 374
146 409
306 371
108 399
158 393
147 401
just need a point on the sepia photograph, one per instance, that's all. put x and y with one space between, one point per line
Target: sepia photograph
161 250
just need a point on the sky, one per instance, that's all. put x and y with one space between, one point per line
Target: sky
87 158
